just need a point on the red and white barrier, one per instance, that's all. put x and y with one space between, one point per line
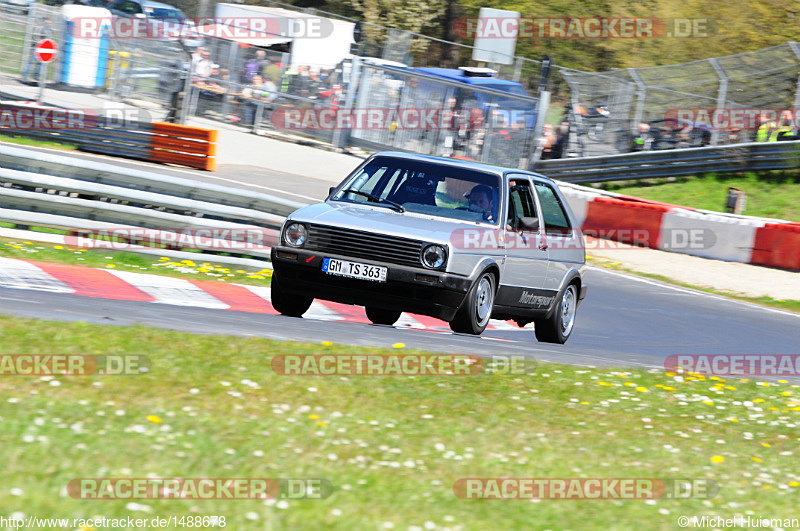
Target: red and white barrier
667 227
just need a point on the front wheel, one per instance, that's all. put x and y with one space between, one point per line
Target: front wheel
285 304
558 328
474 314
381 316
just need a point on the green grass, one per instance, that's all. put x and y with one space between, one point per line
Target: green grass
26 141
391 446
770 194
202 269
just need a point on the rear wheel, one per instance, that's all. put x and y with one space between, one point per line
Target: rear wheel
558 328
285 304
474 314
381 316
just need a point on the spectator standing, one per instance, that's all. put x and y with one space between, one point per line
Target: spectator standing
43 30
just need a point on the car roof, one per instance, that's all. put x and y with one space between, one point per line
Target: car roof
466 164
151 3
458 75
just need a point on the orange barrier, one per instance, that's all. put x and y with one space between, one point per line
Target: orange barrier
185 145
777 245
631 222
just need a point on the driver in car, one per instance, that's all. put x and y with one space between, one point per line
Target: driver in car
481 200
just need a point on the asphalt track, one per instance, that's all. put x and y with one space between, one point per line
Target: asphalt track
625 321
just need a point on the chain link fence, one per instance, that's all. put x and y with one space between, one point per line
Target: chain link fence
429 115
607 113
763 79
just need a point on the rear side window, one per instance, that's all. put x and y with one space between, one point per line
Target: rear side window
555 217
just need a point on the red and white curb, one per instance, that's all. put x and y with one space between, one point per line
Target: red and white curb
130 286
745 239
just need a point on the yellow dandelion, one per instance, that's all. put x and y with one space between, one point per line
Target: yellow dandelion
322 424
242 271
745 380
758 400
717 459
708 402
730 388
782 381
671 374
163 259
766 445
188 262
794 484
327 343
716 379
399 345
786 393
641 389
766 487
110 265
153 418
255 276
630 384
58 247
669 388
585 403
313 417
734 420
773 408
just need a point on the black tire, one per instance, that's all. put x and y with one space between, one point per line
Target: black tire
474 314
381 316
285 304
558 328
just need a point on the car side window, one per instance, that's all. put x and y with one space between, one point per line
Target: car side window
521 203
555 217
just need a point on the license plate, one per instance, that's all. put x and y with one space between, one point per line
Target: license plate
344 268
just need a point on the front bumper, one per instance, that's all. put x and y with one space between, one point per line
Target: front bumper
408 289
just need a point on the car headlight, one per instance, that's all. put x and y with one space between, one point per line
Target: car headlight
434 256
295 234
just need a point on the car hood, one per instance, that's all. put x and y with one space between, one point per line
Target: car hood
381 220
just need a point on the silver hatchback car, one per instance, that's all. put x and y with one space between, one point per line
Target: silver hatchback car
456 240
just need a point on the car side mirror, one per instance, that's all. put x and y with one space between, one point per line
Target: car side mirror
330 190
528 223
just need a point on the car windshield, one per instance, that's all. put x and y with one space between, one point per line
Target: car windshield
163 12
426 188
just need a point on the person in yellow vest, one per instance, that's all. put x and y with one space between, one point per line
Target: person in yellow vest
784 132
765 129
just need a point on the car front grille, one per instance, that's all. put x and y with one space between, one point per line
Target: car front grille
366 245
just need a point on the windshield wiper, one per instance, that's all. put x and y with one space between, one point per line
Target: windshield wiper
376 199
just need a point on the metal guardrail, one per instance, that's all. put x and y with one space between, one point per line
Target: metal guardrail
99 172
755 156
96 196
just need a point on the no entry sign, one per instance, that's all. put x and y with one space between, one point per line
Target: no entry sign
45 50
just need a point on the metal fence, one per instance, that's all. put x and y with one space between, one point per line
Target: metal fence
468 121
762 79
155 72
